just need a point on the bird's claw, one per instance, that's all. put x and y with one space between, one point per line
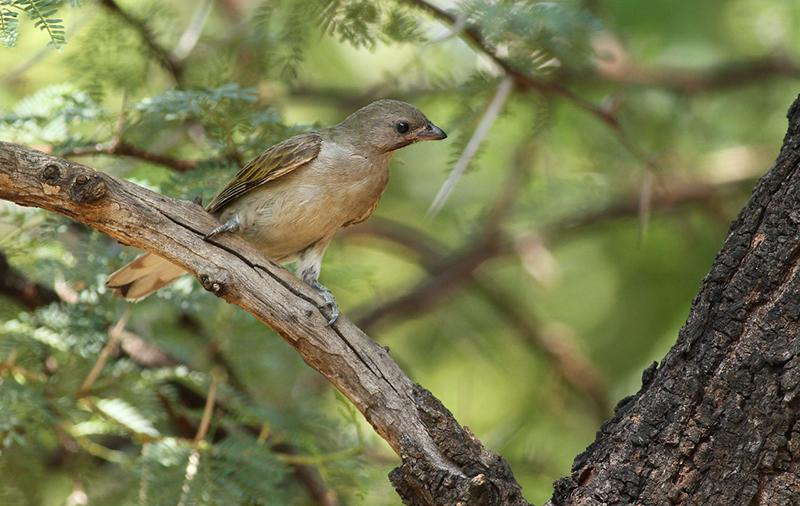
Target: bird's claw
232 225
333 309
330 306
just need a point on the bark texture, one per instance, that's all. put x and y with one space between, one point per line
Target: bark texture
442 462
718 422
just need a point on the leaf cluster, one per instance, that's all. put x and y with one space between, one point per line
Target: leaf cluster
42 14
535 35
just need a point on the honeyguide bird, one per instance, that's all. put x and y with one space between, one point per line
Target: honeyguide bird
291 200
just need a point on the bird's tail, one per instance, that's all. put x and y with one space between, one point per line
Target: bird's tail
143 276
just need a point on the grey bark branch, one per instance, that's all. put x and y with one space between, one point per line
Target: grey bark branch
442 462
718 422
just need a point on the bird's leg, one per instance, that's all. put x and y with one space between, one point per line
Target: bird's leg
232 225
309 265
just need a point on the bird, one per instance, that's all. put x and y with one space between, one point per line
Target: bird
290 201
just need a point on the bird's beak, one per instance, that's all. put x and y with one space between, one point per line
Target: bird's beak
431 132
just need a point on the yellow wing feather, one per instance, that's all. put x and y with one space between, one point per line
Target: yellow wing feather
273 163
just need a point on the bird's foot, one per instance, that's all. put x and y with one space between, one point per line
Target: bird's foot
232 225
330 305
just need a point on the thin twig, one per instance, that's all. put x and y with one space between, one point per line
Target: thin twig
167 61
122 148
24 291
485 124
645 201
191 36
118 147
524 81
694 81
564 357
208 409
114 335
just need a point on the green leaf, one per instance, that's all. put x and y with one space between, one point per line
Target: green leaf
126 415
8 27
41 12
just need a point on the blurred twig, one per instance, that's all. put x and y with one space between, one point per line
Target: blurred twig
191 35
454 271
449 275
695 81
208 410
24 291
168 61
669 196
121 148
114 336
565 358
524 81
492 112
118 147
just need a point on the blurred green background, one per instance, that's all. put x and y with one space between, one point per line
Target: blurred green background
563 264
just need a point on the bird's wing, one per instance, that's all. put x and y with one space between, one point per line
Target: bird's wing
273 163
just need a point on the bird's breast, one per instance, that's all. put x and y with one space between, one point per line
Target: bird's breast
311 203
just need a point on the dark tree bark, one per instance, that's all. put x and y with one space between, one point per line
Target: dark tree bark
718 422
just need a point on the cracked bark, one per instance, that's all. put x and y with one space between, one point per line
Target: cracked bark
718 422
443 463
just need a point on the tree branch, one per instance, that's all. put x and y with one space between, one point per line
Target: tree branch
121 148
171 64
565 358
442 462
22 290
451 272
526 82
694 81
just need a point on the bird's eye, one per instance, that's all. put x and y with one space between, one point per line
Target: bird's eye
402 127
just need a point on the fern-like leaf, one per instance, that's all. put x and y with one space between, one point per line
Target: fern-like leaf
8 27
42 13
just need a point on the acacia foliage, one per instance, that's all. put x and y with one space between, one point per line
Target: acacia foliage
265 70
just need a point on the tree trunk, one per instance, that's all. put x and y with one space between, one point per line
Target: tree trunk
718 421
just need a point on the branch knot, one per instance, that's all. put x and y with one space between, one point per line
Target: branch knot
210 284
52 173
86 189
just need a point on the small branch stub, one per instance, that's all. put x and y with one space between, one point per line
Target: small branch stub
87 189
210 284
52 174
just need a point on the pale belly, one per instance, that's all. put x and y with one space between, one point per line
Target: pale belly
305 207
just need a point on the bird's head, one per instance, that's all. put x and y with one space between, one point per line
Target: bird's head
387 125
